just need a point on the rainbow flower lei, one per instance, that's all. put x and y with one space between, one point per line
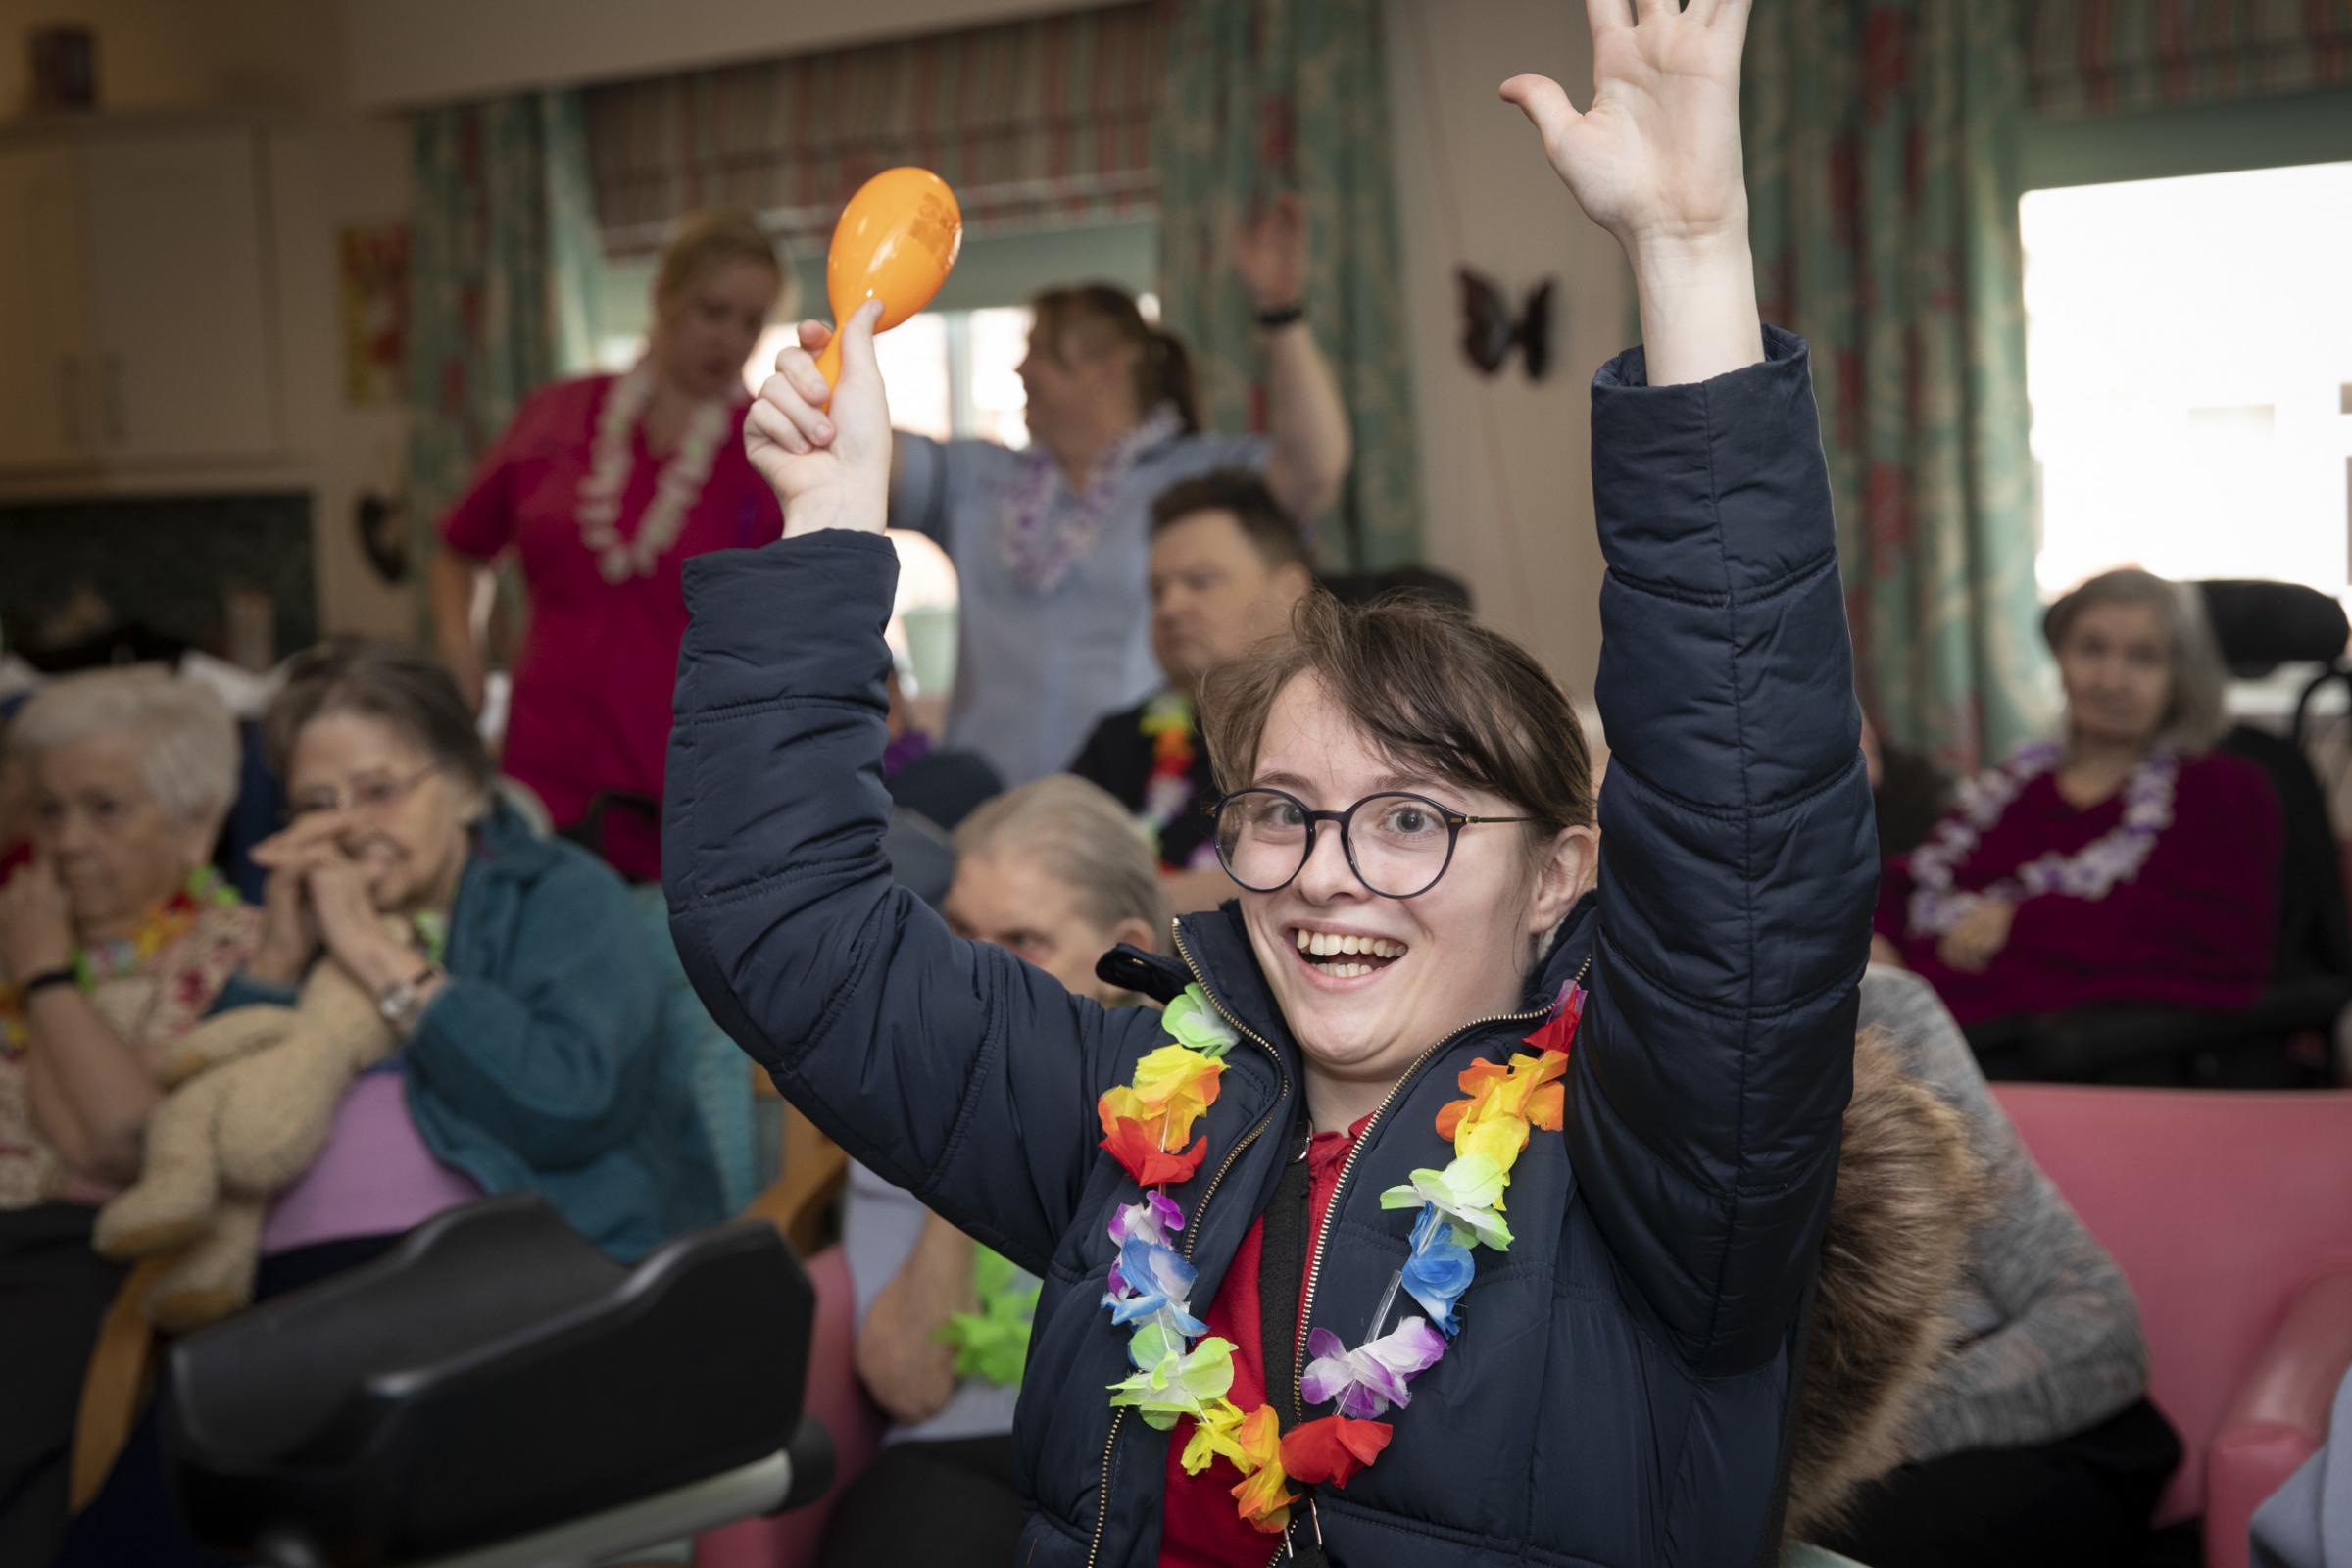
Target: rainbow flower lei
1183 1370
1167 723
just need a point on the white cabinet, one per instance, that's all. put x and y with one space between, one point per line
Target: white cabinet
42 395
134 270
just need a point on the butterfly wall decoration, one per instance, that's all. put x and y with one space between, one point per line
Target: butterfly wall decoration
1488 332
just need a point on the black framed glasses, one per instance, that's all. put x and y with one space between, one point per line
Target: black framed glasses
1397 844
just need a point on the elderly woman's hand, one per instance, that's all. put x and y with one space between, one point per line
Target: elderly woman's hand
290 940
36 924
1977 937
353 930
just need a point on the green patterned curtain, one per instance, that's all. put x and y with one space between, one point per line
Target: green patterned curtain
501 280
1882 153
1271 96
2094 57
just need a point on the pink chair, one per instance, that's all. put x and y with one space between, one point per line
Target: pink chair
2230 1213
2232 1216
836 1398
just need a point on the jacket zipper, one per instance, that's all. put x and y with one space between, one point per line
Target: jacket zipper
1110 1441
1314 1267
1306 1303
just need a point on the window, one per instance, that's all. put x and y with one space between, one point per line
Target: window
951 372
2190 361
949 369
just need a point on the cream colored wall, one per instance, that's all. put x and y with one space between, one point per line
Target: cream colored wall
330 167
1506 488
343 171
1507 491
180 54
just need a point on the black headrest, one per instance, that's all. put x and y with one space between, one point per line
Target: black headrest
2261 625
492 1376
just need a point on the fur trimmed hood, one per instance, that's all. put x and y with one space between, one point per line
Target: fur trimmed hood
1908 1197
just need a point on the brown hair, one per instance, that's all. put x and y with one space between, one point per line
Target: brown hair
1107 315
2195 713
1432 690
405 690
1269 528
706 238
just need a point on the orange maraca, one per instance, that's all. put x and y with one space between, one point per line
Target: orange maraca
895 242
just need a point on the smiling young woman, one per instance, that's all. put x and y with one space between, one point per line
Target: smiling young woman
1273 1217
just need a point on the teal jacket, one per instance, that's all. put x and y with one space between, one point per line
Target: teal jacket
543 1065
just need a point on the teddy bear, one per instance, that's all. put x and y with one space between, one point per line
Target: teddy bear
251 1096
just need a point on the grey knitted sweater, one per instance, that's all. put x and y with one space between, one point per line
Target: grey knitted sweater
2049 1335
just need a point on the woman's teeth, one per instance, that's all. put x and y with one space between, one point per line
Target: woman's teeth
1327 944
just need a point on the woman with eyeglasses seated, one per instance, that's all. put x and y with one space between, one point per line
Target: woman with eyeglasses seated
1455 1211
520 988
115 936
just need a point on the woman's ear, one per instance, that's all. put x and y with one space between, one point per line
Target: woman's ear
1563 876
475 806
197 844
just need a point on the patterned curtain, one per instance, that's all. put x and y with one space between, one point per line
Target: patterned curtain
2096 57
1272 95
501 280
1882 180
1044 122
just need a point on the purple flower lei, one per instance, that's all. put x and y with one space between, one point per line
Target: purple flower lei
1042 544
2090 873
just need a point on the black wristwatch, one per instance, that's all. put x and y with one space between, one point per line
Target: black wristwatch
1280 316
63 975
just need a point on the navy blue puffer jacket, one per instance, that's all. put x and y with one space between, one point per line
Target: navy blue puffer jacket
1615 1395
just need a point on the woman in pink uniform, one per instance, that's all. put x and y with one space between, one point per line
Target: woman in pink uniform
601 487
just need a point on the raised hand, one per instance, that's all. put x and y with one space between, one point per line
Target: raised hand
1655 160
290 935
36 924
830 468
1269 257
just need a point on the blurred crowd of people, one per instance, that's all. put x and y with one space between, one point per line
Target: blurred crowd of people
484 902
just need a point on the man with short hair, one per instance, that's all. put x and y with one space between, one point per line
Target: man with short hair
1227 567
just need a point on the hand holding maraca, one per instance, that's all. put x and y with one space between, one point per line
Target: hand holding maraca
821 431
829 467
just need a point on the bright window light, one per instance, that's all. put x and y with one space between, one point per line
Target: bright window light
2189 360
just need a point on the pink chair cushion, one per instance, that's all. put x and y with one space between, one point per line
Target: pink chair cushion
2279 1417
836 1398
2218 1206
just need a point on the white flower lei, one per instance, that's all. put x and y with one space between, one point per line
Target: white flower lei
2090 873
681 479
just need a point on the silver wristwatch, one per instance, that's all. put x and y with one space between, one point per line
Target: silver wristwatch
403 1000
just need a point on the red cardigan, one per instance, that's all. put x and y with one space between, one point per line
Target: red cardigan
2194 928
